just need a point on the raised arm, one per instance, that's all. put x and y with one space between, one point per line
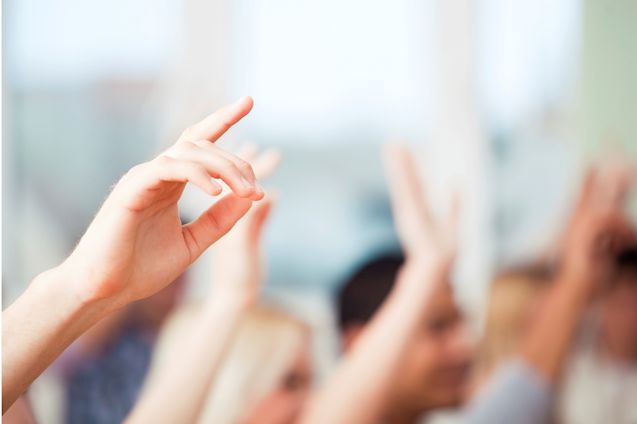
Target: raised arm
176 393
358 390
135 246
520 390
598 232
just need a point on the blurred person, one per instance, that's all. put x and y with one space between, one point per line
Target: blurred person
515 298
228 360
598 232
515 295
433 372
105 368
600 381
135 246
265 375
412 354
521 388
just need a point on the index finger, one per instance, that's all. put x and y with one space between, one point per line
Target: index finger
215 125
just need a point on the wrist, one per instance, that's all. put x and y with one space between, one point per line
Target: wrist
234 300
56 290
418 276
74 289
432 268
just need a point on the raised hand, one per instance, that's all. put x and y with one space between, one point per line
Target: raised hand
134 247
366 375
137 244
236 282
237 267
422 238
597 232
599 229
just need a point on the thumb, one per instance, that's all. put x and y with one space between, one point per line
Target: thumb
214 223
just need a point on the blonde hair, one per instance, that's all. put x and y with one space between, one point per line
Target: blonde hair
263 348
511 298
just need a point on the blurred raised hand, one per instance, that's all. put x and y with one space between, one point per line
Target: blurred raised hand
599 228
366 375
598 231
237 257
423 239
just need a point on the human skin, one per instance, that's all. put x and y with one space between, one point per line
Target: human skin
361 386
598 231
178 392
135 246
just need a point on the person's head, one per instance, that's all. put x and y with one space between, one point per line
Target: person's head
435 368
266 374
513 301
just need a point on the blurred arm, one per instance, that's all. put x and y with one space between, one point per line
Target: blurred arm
359 389
553 331
520 390
178 393
597 232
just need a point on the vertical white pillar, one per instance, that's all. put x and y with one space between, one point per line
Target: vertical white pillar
458 155
198 78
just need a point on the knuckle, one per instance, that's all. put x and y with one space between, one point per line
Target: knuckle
203 143
163 160
199 169
188 146
185 134
244 165
226 124
134 171
227 165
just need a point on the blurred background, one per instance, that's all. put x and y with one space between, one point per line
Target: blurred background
505 101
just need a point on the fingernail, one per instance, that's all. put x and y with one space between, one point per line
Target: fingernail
258 189
243 99
216 187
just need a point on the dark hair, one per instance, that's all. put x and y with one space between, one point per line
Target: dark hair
627 259
366 289
626 262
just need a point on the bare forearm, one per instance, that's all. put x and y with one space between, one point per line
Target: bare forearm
552 333
178 393
364 376
45 320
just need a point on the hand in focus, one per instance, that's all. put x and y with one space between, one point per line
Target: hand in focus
598 230
237 267
136 245
423 240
